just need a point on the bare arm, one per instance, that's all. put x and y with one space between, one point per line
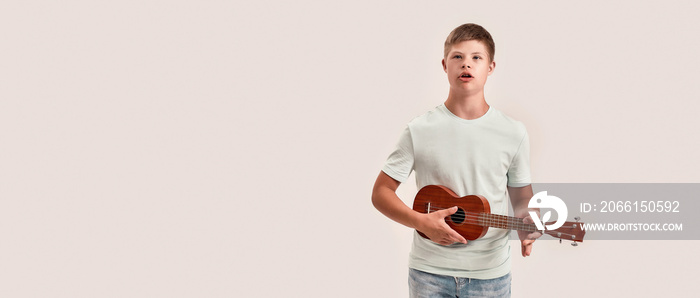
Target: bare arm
432 225
519 198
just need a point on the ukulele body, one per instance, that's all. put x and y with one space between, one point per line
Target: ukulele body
465 221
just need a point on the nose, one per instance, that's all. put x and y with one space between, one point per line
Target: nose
467 66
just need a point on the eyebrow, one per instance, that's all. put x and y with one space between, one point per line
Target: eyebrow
458 52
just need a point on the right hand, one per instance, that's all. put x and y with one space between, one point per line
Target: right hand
434 226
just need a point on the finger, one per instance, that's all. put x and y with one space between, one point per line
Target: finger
526 247
442 241
448 211
534 235
458 238
453 236
450 241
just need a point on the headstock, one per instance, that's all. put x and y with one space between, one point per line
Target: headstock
571 230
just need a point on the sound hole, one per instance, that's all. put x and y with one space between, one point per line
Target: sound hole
458 217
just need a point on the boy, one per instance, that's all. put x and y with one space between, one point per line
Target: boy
471 148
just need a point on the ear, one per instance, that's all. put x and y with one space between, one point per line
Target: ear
444 66
492 66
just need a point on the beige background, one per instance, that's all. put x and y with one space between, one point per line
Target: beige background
226 149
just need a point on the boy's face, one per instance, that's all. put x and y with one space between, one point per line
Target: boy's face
467 66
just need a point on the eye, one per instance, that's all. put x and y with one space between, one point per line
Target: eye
457 57
477 57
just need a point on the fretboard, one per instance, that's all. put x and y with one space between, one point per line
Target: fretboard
504 222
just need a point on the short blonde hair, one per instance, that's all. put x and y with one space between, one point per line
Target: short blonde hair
471 32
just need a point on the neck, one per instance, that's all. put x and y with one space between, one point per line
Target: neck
467 106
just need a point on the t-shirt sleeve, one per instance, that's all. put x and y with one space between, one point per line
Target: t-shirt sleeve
399 165
519 170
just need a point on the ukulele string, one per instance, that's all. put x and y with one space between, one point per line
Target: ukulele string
495 219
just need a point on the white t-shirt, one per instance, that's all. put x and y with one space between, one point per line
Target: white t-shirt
471 157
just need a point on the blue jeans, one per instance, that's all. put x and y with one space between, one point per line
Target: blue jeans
427 285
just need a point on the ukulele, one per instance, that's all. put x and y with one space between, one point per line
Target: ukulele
473 217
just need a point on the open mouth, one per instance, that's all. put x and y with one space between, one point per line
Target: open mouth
466 75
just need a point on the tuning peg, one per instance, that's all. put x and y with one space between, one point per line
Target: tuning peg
577 218
574 244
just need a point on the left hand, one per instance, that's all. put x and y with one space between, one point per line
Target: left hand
527 239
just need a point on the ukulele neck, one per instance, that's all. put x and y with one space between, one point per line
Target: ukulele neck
504 222
510 223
